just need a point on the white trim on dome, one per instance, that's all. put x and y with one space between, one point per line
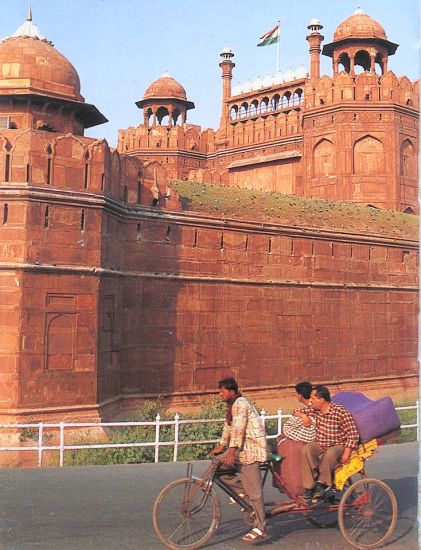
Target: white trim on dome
28 29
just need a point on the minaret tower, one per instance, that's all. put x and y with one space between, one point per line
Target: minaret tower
315 39
227 66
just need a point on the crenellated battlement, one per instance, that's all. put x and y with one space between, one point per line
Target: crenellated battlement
367 88
79 164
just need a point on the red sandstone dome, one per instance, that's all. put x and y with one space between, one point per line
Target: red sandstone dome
359 25
34 65
165 87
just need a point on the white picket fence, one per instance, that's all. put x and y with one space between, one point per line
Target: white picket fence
42 441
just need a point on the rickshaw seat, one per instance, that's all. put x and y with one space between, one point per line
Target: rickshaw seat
355 463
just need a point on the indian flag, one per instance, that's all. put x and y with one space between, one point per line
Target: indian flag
270 37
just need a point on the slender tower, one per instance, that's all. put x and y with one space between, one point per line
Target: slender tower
315 39
227 66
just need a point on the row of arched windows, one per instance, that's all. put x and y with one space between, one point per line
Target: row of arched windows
289 100
368 158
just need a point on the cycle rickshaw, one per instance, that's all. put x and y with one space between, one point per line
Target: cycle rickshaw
187 511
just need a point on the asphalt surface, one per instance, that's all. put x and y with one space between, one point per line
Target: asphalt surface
109 508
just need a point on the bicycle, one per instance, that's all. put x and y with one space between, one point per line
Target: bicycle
187 512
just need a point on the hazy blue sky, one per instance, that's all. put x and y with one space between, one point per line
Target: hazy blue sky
119 47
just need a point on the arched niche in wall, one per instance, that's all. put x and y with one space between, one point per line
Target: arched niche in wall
408 160
5 147
323 159
368 157
68 162
59 341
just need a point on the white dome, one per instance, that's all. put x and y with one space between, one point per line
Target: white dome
314 22
237 89
289 75
257 84
279 78
268 80
301 72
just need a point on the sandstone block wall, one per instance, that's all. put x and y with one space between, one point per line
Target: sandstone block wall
268 307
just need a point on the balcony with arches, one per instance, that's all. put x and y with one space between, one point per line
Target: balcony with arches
266 105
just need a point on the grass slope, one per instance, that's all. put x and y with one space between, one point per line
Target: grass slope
296 211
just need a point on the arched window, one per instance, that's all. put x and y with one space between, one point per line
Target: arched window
264 105
162 116
244 110
234 112
344 62
362 61
368 156
285 100
295 99
408 160
324 159
253 108
275 102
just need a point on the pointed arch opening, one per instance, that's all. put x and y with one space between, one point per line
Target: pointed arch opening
408 160
368 157
344 63
362 62
324 159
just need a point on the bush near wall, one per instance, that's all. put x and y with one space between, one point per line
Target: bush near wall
135 455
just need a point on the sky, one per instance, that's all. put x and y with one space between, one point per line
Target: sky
119 48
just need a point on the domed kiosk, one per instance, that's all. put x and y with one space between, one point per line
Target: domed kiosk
359 41
165 97
39 87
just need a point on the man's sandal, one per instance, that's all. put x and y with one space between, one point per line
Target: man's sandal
254 535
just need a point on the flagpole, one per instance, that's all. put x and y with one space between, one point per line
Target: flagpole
277 48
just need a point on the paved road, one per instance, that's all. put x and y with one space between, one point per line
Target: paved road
109 508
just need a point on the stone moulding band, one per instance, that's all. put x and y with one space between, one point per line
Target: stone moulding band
138 395
136 213
97 271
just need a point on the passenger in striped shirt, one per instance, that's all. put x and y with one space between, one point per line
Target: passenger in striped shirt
336 436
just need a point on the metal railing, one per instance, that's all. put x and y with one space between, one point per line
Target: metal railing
42 446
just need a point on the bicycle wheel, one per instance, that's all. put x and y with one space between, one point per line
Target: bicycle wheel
185 515
325 513
367 513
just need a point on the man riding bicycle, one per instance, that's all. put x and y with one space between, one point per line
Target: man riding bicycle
244 440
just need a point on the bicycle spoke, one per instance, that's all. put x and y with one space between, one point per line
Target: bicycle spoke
186 515
367 513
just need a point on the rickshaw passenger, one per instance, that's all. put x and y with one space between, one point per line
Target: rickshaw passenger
287 476
336 436
294 427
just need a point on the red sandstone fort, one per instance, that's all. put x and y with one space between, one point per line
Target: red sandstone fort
281 246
